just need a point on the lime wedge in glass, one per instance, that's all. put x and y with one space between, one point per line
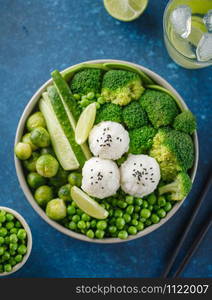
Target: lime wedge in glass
87 204
85 123
125 10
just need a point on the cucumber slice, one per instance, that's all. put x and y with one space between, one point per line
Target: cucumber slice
85 123
64 121
87 204
68 75
70 105
145 79
60 143
162 89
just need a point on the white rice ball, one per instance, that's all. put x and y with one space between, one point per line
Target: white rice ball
109 140
100 178
140 175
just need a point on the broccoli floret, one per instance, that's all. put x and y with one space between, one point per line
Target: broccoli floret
174 151
185 122
109 112
134 116
179 188
120 87
87 80
141 139
161 108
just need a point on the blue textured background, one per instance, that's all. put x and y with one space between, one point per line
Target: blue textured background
38 36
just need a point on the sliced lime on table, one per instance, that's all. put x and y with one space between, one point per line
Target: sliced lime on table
87 204
85 123
125 10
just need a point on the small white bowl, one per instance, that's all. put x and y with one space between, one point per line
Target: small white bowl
29 240
22 180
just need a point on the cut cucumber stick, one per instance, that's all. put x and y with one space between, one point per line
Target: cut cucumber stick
60 143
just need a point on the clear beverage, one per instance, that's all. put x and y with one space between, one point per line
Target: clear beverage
188 38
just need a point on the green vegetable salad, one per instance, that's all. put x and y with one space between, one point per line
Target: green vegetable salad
128 170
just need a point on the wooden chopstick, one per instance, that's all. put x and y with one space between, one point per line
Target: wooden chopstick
188 226
193 248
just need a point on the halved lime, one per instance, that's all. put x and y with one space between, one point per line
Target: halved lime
85 123
125 10
87 204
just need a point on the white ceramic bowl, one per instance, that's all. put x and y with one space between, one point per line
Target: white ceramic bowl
28 110
29 240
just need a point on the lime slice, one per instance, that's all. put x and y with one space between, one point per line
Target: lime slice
85 123
87 204
125 10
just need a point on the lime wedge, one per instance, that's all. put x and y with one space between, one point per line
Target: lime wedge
125 10
87 204
85 123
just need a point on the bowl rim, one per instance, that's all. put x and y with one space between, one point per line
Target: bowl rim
29 240
20 174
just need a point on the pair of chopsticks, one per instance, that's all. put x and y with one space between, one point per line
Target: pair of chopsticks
198 239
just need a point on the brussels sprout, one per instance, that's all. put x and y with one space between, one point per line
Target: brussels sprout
43 195
23 151
35 180
30 164
36 120
60 178
64 192
75 179
40 137
26 139
47 165
56 209
47 150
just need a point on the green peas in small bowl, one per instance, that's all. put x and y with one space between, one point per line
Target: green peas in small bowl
15 241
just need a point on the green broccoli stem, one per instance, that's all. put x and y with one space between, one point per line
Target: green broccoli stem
168 188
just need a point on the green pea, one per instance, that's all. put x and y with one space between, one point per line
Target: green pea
161 213
90 234
97 105
5 256
18 258
21 234
129 199
100 100
140 226
154 218
130 209
18 224
90 95
12 261
81 224
2 218
99 234
134 222
75 218
167 207
75 179
7 239
1 251
152 199
145 213
77 96
112 229
127 217
120 223
71 210
7 268
118 213
93 223
13 230
135 216
9 217
1 240
145 204
114 202
13 238
3 231
138 201
101 225
85 217
9 225
123 234
88 224
132 230
148 223
150 207
121 204
22 249
72 225
161 201
137 208
13 247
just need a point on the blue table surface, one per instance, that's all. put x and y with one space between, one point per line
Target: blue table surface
39 36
